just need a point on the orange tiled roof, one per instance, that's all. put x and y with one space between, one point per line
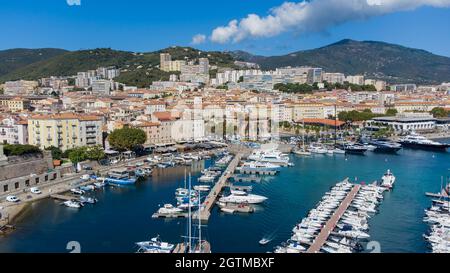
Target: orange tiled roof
323 121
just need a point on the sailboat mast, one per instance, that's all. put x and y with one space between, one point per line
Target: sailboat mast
335 125
199 225
303 135
189 215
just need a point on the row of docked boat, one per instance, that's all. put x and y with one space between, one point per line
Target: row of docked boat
212 173
351 227
350 148
438 218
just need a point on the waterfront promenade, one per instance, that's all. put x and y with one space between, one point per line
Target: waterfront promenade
331 224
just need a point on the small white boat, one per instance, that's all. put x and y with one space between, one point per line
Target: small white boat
99 185
388 180
202 188
264 241
77 191
206 178
301 152
169 209
227 210
72 204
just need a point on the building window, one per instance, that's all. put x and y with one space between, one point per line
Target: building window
37 180
27 182
5 188
16 185
46 178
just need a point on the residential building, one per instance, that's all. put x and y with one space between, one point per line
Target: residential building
20 87
13 130
65 131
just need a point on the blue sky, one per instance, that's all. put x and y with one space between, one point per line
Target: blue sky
142 25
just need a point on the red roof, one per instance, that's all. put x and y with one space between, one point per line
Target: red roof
323 121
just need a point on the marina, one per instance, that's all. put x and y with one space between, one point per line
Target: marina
271 217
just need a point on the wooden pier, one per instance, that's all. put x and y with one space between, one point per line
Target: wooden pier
331 224
207 205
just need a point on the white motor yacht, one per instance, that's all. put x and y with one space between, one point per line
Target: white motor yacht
243 197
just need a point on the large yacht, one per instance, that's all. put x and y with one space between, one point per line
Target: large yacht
273 156
259 166
242 197
385 146
414 140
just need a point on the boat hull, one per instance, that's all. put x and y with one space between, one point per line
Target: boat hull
442 147
120 181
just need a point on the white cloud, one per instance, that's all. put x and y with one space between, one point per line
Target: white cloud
198 39
312 16
73 2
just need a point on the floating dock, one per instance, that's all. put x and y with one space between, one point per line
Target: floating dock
331 224
170 215
246 178
205 211
256 172
230 207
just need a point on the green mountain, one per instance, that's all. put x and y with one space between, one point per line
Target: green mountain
138 68
378 60
13 59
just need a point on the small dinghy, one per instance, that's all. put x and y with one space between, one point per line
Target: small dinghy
264 241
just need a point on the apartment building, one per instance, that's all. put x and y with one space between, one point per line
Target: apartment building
65 131
21 87
13 130
334 77
16 104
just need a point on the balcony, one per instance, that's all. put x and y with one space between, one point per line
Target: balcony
74 137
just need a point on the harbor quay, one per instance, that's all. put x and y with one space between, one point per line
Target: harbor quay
51 184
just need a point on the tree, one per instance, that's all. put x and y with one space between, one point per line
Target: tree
95 153
56 152
391 112
293 87
241 79
78 155
439 112
127 138
19 149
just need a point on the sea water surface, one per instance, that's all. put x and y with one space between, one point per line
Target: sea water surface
123 214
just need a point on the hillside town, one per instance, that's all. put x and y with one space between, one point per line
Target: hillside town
51 112
60 128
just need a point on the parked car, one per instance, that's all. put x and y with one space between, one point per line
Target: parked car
35 190
12 198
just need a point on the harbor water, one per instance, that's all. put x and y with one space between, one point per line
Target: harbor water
123 214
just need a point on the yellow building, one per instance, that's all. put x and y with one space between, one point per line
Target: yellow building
16 104
65 131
